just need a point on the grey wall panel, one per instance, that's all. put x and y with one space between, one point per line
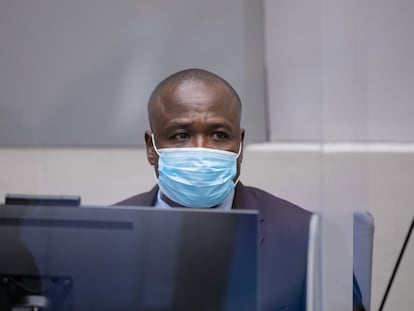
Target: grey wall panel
293 60
340 70
391 70
80 72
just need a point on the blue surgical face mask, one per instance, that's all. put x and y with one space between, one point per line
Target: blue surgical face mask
196 177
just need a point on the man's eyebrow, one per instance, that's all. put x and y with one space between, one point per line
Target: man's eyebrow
179 123
224 124
187 123
176 125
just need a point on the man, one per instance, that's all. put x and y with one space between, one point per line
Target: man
196 147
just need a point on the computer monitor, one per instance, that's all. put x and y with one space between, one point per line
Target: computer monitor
42 200
128 258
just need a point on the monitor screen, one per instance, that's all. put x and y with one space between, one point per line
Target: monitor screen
43 200
127 258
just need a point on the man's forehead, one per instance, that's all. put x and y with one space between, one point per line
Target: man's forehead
199 100
194 88
194 95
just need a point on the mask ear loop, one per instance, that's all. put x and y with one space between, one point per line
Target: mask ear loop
156 150
153 144
238 155
240 149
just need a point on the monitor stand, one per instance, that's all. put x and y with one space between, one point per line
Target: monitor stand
35 293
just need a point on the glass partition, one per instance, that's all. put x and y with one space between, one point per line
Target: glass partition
326 88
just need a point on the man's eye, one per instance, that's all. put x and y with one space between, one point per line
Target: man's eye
220 135
180 136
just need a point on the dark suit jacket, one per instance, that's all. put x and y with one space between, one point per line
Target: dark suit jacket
283 232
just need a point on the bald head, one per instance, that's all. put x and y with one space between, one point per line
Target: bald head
194 76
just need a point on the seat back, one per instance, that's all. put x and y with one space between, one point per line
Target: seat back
363 229
363 249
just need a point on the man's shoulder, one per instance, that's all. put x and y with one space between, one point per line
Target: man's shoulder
142 199
268 203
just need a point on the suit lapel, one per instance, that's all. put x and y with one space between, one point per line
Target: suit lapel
149 198
143 199
245 200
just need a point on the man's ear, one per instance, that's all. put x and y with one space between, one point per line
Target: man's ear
149 147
